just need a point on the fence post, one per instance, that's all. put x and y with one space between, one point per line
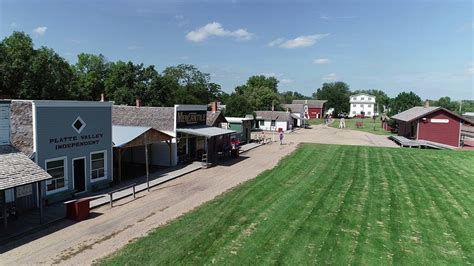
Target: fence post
110 194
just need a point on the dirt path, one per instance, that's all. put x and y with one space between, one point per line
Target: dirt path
111 229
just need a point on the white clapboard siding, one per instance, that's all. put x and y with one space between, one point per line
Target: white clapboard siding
4 124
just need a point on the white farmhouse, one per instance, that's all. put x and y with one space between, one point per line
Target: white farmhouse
362 103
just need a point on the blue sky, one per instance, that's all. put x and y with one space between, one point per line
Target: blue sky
423 46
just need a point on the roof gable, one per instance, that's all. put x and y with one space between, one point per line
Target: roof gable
420 111
160 118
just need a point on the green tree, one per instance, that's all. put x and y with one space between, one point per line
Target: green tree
337 95
195 86
403 102
120 83
49 77
261 92
262 81
447 103
16 53
289 96
238 106
91 71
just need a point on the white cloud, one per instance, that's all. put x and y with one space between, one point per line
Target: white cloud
298 42
184 57
276 42
330 77
286 81
470 70
271 74
13 25
41 30
321 61
216 29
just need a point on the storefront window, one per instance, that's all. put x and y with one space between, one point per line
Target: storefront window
97 165
273 123
262 123
57 169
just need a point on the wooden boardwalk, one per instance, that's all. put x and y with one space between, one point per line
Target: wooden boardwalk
410 143
155 179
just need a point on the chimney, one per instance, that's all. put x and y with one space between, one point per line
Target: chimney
102 97
138 102
214 107
427 103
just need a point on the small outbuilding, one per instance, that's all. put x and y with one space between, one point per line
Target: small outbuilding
242 126
434 124
274 120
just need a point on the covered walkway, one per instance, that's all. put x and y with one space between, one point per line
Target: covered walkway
125 138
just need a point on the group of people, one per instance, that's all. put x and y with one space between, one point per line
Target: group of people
261 137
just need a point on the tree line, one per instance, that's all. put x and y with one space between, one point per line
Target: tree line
29 73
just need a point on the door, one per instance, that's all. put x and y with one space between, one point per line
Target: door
79 172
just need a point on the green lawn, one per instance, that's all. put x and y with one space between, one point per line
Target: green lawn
368 125
330 204
316 121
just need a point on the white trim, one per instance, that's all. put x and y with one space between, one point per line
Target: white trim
35 139
111 146
66 176
82 126
48 103
105 166
74 177
190 107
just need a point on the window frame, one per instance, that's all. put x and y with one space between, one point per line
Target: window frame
92 180
65 176
272 123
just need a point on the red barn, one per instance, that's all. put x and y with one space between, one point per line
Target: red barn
435 124
315 107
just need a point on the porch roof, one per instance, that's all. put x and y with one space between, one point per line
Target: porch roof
16 169
130 136
205 131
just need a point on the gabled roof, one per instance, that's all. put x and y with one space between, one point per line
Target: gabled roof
362 94
159 118
420 111
16 169
311 103
294 107
276 115
211 118
125 136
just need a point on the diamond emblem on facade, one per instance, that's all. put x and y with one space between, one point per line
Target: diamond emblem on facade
78 125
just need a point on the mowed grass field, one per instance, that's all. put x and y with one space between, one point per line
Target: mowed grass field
368 125
330 204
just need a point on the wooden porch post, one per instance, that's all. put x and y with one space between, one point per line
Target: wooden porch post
120 164
170 153
146 164
40 197
4 209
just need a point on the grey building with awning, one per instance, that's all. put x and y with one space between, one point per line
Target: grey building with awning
197 140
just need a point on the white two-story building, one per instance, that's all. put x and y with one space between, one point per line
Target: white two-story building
362 104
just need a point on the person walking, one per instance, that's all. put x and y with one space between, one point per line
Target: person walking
281 137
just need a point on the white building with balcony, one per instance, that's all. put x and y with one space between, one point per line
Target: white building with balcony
362 103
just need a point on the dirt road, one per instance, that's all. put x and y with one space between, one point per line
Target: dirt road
111 229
